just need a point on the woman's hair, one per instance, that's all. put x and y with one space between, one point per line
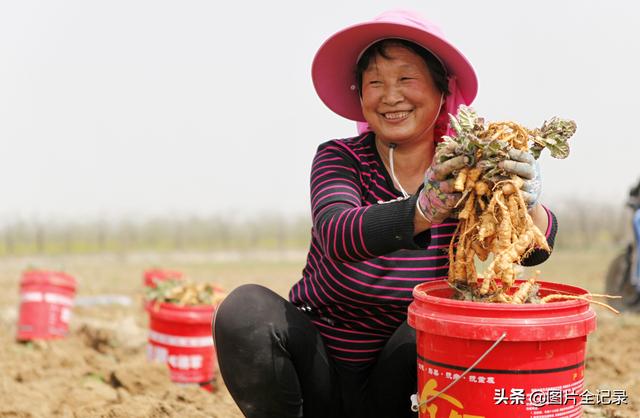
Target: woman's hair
437 71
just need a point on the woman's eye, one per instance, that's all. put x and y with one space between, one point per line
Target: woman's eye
375 82
406 78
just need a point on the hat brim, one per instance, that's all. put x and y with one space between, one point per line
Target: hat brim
333 69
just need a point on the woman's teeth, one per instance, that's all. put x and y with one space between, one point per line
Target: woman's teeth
396 115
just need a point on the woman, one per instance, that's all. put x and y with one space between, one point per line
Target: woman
381 208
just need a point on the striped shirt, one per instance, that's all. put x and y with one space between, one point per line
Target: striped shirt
364 259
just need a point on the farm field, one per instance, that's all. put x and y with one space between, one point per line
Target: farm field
101 370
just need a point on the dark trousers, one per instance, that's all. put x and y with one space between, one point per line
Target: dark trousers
275 365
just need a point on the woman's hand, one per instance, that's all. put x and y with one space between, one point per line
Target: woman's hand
438 197
523 165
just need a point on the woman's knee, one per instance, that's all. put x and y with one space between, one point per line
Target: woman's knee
407 333
239 308
243 296
400 350
404 337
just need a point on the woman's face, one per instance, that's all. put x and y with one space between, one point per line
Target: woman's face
400 101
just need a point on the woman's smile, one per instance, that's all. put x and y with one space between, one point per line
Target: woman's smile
396 117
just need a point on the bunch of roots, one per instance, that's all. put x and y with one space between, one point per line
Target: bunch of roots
185 293
493 216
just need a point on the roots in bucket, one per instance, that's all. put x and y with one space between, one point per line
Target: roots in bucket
527 292
185 293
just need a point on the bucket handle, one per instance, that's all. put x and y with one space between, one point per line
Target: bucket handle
415 405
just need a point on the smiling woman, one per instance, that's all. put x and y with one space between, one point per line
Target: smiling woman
401 100
383 212
399 97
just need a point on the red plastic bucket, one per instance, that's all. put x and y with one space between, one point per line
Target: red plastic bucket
46 299
537 370
152 277
181 337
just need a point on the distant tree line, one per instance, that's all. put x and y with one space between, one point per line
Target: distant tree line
159 234
582 225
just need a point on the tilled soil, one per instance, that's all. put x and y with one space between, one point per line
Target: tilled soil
100 369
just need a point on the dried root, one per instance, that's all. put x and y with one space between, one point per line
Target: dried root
587 297
526 291
492 213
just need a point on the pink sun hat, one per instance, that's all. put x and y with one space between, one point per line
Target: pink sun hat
333 69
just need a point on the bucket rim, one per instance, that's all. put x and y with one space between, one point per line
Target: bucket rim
180 314
151 304
487 321
421 295
160 273
51 277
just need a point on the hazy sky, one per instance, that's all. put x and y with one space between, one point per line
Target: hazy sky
139 108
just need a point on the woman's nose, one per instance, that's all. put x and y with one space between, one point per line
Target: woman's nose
392 95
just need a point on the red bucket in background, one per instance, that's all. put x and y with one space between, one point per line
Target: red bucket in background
46 299
151 277
536 370
181 337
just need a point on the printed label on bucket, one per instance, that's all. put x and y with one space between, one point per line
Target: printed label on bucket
44 315
191 359
485 393
176 361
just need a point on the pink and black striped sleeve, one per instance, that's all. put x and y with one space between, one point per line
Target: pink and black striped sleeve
348 228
